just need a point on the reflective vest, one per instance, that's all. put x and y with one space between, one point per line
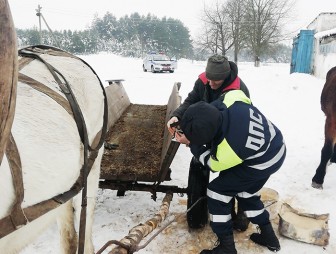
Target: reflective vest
226 157
232 96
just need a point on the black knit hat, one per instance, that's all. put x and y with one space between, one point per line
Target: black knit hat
218 68
200 123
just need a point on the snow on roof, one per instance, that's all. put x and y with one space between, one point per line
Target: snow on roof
326 33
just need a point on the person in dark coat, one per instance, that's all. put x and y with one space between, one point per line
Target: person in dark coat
220 76
245 148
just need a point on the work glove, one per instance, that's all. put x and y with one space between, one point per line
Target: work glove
174 119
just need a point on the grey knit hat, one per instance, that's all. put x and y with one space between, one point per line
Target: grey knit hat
218 68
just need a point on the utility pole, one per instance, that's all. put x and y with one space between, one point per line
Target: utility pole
38 13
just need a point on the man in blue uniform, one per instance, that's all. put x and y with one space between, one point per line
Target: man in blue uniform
246 148
220 76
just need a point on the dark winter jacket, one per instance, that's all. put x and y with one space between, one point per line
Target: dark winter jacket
203 92
245 136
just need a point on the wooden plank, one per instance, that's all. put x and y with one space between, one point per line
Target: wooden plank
117 101
169 147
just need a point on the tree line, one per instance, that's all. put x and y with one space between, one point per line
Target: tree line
132 35
245 29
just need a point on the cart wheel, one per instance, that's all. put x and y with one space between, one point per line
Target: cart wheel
198 180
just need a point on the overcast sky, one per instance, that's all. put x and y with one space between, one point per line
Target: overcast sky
78 14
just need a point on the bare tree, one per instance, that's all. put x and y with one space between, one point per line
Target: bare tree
216 35
263 21
235 12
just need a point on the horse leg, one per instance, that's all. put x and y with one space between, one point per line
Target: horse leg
68 235
333 157
326 154
318 179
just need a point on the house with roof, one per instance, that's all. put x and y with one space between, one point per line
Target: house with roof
314 49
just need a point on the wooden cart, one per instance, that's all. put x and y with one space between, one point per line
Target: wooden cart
138 147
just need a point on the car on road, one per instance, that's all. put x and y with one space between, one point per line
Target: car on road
158 62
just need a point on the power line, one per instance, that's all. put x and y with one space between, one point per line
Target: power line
40 15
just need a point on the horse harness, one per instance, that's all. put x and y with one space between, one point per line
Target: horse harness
18 216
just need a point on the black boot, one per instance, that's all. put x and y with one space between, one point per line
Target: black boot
226 246
240 221
266 238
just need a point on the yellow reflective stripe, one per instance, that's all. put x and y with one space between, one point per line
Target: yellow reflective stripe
235 95
227 158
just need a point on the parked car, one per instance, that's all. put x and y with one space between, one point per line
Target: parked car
158 62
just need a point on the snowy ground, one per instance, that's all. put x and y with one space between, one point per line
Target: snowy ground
290 101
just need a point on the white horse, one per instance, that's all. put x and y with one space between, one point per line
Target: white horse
51 151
